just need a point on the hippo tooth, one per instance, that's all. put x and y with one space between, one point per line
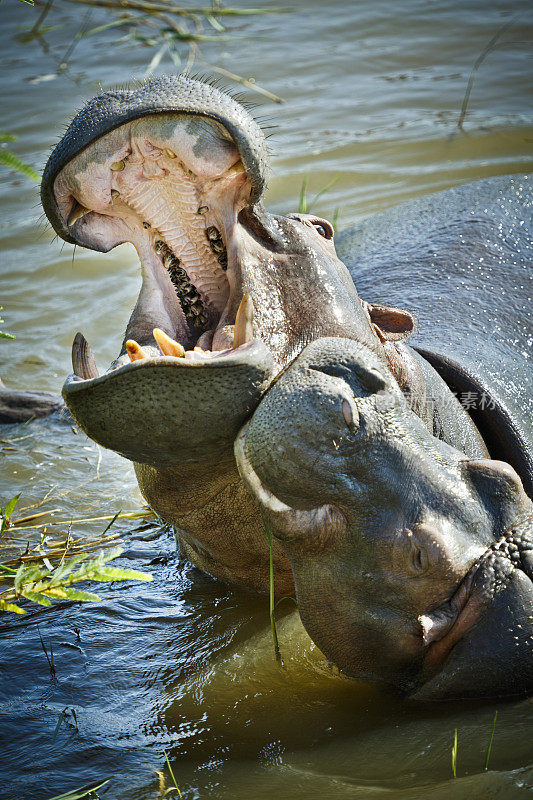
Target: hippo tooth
168 346
135 351
77 212
83 362
244 322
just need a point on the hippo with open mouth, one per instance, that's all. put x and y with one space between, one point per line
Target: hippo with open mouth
236 305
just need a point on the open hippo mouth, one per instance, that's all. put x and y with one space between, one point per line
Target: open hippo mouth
230 294
172 184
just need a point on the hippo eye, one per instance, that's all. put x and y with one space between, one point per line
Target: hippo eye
323 228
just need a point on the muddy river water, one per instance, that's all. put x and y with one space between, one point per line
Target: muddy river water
373 92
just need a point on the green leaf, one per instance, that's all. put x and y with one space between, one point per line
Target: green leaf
19 576
13 162
10 507
7 137
36 597
87 597
489 747
118 574
82 792
65 569
4 335
321 192
215 23
29 574
174 781
5 606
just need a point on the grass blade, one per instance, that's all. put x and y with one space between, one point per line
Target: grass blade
83 792
271 595
454 755
331 183
489 746
175 787
302 205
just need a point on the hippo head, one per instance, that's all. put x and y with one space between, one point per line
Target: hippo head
413 565
229 292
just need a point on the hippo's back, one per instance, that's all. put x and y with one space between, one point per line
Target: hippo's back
461 262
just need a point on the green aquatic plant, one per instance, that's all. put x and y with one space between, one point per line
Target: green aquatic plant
87 792
172 30
174 788
13 162
305 206
489 746
3 334
7 512
49 570
272 606
42 585
454 755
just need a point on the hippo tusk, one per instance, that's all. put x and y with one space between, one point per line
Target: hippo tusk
290 524
77 212
244 322
135 351
83 363
167 345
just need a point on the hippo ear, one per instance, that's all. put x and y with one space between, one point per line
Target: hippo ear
498 486
313 526
391 324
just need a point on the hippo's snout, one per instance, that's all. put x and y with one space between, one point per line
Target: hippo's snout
427 583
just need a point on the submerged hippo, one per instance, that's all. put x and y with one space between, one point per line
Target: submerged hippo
232 300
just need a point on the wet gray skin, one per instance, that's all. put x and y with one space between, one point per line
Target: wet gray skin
413 563
178 169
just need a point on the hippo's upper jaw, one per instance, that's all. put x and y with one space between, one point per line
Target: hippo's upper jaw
229 293
412 563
